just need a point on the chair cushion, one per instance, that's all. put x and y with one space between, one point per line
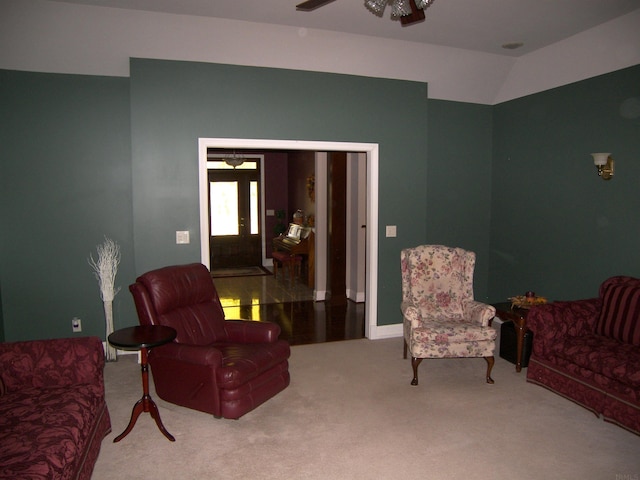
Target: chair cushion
199 324
620 314
447 339
453 331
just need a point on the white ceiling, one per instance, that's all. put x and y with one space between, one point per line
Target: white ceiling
480 25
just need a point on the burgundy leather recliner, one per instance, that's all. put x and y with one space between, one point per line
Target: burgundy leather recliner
223 367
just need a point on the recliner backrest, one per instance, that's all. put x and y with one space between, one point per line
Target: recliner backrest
182 297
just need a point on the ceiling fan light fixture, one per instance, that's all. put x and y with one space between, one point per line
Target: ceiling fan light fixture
401 8
376 6
422 4
408 11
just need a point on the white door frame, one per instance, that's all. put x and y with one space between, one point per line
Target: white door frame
371 150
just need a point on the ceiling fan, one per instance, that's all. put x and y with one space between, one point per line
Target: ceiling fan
409 11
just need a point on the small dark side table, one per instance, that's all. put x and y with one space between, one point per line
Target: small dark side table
519 318
143 338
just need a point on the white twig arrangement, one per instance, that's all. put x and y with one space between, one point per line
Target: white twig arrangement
105 269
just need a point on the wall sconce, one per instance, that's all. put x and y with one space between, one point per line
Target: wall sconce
604 164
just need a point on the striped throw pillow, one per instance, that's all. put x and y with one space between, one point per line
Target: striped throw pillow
620 315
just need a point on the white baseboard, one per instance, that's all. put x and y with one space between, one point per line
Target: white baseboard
123 352
386 331
358 297
320 295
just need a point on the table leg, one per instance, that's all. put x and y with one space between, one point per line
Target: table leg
520 331
145 404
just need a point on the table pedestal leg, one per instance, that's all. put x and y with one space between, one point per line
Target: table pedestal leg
145 404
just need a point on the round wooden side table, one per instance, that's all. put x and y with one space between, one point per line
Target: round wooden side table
143 338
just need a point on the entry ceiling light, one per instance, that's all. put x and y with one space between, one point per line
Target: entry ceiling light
233 160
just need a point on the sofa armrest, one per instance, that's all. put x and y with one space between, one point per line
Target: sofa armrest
247 331
478 312
56 362
195 354
553 322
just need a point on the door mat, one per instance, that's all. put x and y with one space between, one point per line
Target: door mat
239 272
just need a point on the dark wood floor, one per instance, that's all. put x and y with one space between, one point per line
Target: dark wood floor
302 320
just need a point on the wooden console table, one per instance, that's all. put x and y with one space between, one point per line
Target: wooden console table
519 318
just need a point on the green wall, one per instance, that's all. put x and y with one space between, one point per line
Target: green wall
65 183
83 156
556 227
459 182
174 103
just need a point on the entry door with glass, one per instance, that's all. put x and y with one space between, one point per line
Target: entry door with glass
234 219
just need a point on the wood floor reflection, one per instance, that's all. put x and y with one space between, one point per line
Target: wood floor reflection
290 305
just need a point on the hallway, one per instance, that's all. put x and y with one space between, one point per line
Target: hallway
303 321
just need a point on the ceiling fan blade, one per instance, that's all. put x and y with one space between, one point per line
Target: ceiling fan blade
312 5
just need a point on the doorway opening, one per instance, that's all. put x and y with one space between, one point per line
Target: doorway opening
368 149
235 231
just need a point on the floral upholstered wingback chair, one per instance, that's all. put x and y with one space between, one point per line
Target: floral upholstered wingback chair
441 318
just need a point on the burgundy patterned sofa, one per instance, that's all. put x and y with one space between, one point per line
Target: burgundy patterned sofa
53 415
589 351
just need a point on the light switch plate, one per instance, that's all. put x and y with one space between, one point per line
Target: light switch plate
182 237
391 230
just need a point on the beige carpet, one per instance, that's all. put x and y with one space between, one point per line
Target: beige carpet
350 413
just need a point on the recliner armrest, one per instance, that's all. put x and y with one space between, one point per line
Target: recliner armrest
247 331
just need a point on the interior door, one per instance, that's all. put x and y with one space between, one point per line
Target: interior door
234 219
337 242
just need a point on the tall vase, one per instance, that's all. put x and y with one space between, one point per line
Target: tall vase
111 354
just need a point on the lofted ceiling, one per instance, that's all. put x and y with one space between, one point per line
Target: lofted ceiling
479 25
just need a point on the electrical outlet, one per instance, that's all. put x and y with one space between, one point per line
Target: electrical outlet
76 325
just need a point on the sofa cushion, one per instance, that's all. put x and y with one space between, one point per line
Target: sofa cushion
45 432
602 355
620 315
